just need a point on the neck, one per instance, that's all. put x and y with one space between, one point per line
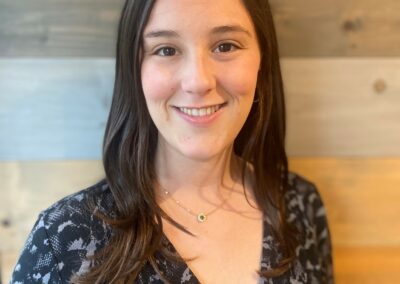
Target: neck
194 177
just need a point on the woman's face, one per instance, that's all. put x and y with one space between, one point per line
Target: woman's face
199 73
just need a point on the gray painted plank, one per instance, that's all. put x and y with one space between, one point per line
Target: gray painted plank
56 109
53 109
343 106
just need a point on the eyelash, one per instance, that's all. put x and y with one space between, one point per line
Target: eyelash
158 51
232 46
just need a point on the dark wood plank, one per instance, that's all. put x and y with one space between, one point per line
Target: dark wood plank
54 28
305 28
338 27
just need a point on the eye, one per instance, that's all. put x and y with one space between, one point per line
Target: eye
166 51
226 47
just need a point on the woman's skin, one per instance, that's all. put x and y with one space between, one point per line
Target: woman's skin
199 74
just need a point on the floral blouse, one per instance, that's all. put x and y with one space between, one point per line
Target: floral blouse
67 233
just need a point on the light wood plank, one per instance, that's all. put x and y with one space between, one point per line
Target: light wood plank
30 187
305 28
367 265
361 197
343 107
8 261
354 265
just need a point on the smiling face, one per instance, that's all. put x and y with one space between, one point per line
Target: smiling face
199 73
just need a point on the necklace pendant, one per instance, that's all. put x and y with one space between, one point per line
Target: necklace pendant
201 217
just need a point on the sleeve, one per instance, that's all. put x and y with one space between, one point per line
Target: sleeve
323 236
37 262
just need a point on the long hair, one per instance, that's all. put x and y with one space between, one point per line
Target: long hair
130 143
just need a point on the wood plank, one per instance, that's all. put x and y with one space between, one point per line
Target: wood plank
361 197
57 108
354 265
337 27
54 108
8 261
343 107
305 28
67 28
367 265
30 187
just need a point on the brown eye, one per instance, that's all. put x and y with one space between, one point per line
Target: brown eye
226 47
166 51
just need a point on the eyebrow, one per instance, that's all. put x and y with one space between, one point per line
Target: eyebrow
216 30
161 33
230 29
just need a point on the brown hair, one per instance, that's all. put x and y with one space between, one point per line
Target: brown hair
130 143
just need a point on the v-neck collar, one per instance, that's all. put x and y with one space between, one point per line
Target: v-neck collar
174 270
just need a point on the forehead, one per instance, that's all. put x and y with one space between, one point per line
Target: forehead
198 15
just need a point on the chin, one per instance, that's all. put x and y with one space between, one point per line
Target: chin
203 153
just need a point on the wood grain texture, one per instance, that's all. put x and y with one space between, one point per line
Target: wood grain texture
47 28
305 28
358 265
343 107
8 261
361 197
57 108
54 108
29 187
316 28
367 265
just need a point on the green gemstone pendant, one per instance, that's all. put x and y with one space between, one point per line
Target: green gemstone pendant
201 217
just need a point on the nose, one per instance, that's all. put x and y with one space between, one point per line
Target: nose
198 74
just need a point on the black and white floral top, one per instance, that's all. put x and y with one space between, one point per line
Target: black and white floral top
66 234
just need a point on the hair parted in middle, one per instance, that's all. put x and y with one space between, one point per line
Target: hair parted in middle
130 144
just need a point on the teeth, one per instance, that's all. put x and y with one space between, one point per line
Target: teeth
200 111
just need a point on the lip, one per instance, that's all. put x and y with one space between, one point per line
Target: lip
200 120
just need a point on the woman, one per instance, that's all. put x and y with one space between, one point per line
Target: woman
197 187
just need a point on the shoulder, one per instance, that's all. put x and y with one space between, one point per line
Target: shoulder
305 207
64 236
74 217
307 211
303 199
80 205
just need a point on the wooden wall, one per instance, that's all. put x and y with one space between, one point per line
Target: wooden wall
341 67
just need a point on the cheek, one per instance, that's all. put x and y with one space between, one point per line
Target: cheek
157 82
241 80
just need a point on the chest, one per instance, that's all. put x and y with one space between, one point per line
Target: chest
228 252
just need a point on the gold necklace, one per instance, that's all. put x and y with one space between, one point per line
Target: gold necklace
201 217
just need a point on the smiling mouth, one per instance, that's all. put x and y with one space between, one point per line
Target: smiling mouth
198 112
